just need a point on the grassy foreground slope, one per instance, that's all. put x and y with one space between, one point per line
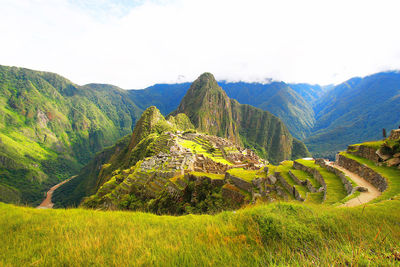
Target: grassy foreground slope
279 234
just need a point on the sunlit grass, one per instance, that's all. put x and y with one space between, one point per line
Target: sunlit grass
276 234
213 176
247 175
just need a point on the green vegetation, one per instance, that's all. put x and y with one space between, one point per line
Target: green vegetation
275 234
335 188
50 128
213 176
373 144
247 175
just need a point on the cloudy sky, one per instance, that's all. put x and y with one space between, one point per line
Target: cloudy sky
136 43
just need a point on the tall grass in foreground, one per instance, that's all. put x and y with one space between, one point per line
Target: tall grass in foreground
275 234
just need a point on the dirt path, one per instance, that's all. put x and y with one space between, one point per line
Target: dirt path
46 203
364 197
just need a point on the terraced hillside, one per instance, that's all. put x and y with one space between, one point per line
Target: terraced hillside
278 234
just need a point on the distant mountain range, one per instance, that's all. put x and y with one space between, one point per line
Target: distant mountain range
326 118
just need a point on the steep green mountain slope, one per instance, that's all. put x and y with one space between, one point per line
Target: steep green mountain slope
148 138
50 127
310 92
212 111
354 111
281 100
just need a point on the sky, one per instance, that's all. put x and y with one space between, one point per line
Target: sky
136 43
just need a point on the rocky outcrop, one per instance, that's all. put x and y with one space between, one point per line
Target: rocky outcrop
363 171
394 134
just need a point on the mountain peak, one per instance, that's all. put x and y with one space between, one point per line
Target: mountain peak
206 82
146 124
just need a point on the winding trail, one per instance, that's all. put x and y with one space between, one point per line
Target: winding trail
364 197
46 203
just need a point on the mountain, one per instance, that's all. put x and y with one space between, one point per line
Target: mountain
50 127
281 100
147 139
212 111
355 111
292 103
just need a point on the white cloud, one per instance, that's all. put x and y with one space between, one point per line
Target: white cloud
162 41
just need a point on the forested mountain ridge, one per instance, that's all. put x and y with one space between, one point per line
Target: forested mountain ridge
50 127
355 111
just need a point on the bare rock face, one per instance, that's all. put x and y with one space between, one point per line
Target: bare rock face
382 155
393 162
395 134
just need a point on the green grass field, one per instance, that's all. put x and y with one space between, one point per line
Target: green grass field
247 175
213 176
275 234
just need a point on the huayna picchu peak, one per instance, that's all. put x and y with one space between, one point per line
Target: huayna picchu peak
213 112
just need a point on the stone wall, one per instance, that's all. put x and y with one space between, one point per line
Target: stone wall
291 189
295 179
364 152
240 183
364 171
345 180
204 164
231 195
315 173
306 182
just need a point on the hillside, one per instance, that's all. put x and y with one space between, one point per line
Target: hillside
319 230
355 111
213 112
165 167
50 127
313 226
